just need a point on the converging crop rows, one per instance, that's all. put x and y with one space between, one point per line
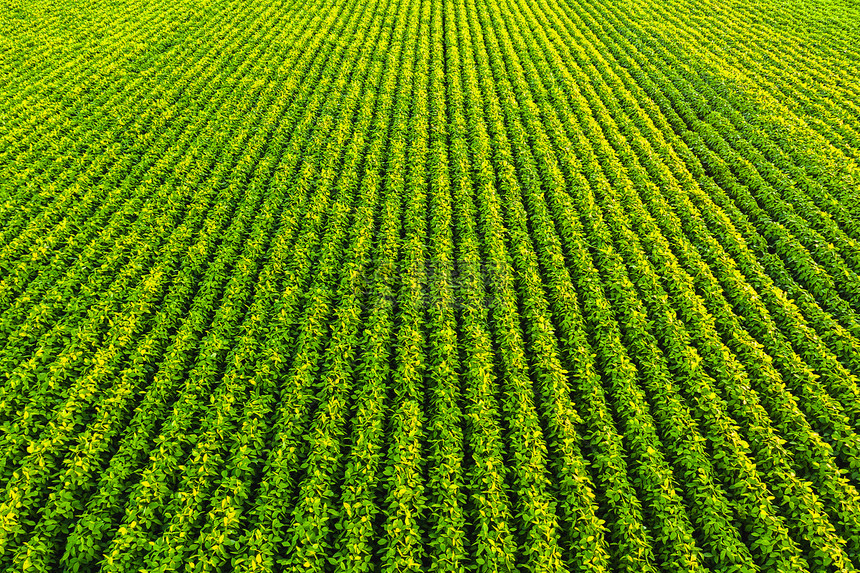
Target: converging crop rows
430 285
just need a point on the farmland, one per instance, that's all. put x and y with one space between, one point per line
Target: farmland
430 285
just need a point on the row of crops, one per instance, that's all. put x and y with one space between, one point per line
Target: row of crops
430 285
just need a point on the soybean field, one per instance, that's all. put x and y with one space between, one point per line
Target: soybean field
430 285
